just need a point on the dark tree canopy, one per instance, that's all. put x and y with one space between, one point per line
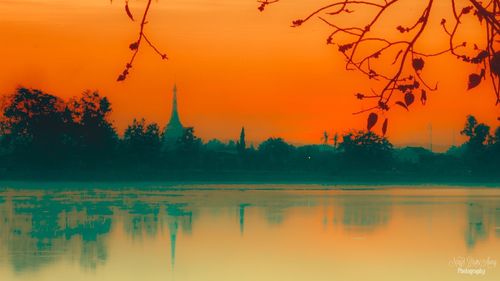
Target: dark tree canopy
42 128
481 150
362 149
142 141
41 134
35 125
96 135
275 152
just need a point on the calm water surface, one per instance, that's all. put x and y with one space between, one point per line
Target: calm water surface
248 232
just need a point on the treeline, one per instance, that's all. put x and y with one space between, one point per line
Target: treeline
43 135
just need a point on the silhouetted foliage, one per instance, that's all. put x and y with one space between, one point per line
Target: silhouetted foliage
41 129
42 134
36 127
369 53
136 45
96 137
399 62
476 132
275 153
187 149
142 142
365 150
242 145
480 148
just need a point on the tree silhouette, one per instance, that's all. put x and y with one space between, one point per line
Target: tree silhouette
141 141
335 140
495 146
187 149
36 126
476 132
241 144
325 137
44 136
275 152
365 150
481 150
368 53
96 135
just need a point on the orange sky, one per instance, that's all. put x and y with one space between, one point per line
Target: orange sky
233 66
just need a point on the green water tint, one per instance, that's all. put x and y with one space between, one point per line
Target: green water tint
246 232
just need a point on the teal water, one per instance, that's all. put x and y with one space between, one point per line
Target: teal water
248 232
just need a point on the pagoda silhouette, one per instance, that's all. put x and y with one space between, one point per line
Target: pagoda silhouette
174 129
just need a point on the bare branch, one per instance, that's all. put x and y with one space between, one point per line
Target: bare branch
404 78
135 46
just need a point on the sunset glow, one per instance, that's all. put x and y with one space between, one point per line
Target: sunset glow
233 66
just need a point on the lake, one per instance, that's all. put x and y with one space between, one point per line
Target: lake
247 232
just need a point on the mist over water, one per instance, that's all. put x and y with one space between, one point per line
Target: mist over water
248 232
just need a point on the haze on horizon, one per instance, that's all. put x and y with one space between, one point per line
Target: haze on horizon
233 65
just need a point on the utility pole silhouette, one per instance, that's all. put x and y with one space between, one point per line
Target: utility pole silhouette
452 137
430 137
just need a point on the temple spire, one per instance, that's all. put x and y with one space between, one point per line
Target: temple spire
174 129
174 117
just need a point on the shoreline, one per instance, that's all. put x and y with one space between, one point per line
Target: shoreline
241 185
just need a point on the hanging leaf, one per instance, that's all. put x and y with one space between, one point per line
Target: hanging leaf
418 64
402 104
495 64
129 14
372 120
121 77
467 10
383 105
423 97
474 81
134 46
409 98
401 29
384 126
480 57
297 23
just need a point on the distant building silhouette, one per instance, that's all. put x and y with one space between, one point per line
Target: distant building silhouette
174 129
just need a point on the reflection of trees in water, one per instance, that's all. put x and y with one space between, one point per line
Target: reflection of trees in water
482 219
141 218
17 227
44 226
362 213
40 229
37 230
497 221
275 214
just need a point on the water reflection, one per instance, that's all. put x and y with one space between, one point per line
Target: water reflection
242 216
361 213
39 227
482 218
